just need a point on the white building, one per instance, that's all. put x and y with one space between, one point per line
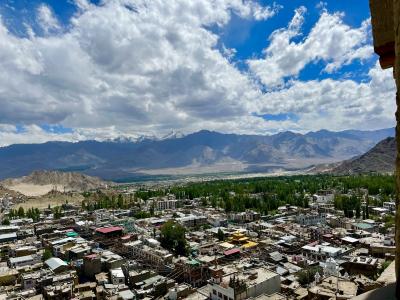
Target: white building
165 204
311 219
320 252
324 196
246 284
217 220
156 256
117 276
243 217
379 210
15 262
192 220
390 206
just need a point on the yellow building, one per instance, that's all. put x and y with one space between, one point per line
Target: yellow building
242 240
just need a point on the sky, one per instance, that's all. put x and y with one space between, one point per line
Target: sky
77 69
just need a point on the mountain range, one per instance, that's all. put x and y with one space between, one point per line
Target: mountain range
197 153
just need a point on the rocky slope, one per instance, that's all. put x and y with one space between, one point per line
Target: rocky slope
68 181
380 159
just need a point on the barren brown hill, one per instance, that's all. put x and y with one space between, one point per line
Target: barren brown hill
41 182
380 159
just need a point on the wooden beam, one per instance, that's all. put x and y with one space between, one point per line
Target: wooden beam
387 55
383 31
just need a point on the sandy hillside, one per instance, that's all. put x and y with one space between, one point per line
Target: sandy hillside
42 202
33 190
41 182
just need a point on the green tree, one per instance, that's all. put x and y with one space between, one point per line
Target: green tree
307 275
47 254
228 205
151 209
172 237
220 235
358 213
120 201
57 212
21 212
5 222
11 214
142 215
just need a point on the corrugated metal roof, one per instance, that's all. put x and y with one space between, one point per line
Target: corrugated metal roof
109 229
232 251
54 263
8 236
21 259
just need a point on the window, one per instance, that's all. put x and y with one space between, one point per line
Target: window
214 292
225 297
219 295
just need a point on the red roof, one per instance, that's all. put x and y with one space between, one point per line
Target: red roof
109 229
232 251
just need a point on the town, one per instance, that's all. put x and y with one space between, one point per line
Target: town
299 237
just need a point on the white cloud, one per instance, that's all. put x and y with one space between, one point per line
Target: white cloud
132 64
137 67
338 104
330 41
46 19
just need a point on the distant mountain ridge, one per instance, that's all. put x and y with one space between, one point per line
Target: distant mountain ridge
199 152
135 139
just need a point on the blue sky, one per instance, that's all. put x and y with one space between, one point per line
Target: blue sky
100 69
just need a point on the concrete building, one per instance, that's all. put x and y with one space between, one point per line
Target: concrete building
333 287
390 206
16 262
217 220
154 256
324 196
321 252
245 284
91 265
361 265
244 217
8 237
117 276
164 204
192 220
311 219
56 264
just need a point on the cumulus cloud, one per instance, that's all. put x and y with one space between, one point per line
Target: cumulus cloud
134 67
338 104
330 40
46 19
134 64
